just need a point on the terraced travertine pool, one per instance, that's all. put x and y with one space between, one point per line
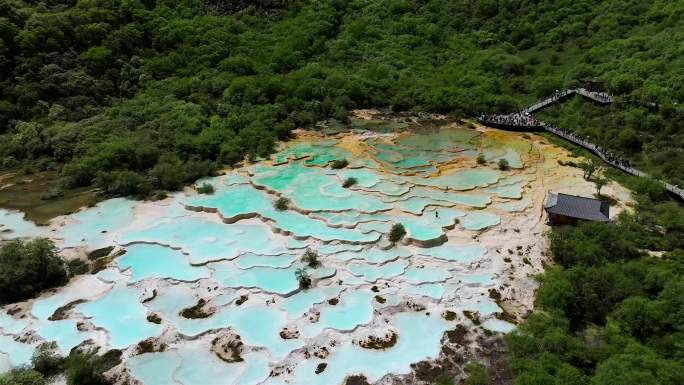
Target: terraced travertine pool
233 257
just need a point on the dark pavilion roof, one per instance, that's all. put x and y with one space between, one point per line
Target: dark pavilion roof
572 206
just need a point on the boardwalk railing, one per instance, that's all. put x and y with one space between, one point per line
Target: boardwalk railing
523 121
613 161
599 97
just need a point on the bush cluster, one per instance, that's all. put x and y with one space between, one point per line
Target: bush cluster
28 267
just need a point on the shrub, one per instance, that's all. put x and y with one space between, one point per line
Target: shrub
339 163
121 183
281 204
349 182
46 360
444 380
86 369
397 232
205 188
310 257
22 376
481 159
53 193
303 277
28 267
477 374
503 164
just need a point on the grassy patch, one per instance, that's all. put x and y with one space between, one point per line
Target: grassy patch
29 194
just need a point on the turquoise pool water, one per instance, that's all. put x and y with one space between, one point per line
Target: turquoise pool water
155 368
64 332
499 326
240 255
92 226
154 261
203 240
300 303
11 325
250 260
14 225
372 273
122 314
479 220
433 290
268 279
375 255
354 308
17 353
463 253
416 275
419 337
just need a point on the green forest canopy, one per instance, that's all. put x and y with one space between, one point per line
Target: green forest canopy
139 95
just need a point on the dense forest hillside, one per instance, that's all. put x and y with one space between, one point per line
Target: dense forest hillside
611 312
141 95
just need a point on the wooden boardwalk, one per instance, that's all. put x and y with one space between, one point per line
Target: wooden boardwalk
523 121
598 97
672 189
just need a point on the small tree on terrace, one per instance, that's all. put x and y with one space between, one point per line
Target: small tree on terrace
302 275
339 163
281 204
310 257
600 182
349 182
397 232
503 164
589 168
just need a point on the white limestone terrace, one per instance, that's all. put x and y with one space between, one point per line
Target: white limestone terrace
233 257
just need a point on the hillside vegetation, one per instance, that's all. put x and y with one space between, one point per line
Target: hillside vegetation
611 312
141 95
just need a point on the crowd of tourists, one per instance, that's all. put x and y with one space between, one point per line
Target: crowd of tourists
584 141
519 119
523 119
602 97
